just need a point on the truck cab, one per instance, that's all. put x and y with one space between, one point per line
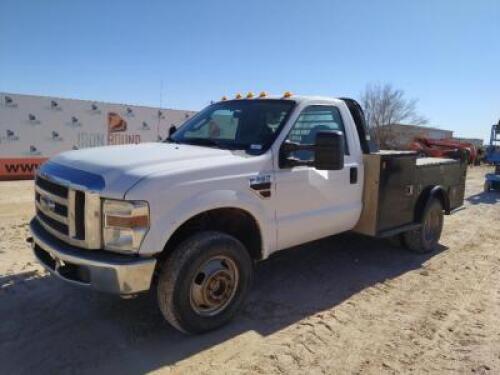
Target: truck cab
240 180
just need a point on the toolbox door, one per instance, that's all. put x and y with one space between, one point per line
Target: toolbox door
397 191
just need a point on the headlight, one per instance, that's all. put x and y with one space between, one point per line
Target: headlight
125 223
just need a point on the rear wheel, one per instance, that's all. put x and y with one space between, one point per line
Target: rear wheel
204 282
425 239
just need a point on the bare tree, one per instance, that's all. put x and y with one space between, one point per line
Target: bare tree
385 105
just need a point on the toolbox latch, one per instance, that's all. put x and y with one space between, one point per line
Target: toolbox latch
409 190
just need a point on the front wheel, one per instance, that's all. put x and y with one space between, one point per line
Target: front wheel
425 239
204 282
487 187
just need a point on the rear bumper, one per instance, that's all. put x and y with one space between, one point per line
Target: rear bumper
96 269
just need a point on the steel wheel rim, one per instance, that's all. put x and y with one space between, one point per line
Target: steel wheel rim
214 285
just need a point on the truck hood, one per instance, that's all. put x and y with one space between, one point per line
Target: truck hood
112 170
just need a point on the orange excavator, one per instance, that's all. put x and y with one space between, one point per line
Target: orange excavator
448 148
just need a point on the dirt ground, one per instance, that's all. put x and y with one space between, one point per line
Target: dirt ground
345 304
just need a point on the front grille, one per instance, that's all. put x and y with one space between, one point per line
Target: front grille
61 211
80 215
53 223
52 188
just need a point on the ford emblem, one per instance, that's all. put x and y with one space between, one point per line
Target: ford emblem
47 203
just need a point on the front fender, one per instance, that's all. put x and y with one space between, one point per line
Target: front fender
169 221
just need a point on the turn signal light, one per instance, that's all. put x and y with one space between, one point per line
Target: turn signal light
127 222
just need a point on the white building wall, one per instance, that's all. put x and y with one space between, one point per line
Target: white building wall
33 128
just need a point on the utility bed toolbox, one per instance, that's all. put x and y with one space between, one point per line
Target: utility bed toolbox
393 183
448 173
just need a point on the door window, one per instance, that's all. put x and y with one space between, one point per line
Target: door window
312 120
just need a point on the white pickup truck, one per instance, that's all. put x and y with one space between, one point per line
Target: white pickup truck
237 182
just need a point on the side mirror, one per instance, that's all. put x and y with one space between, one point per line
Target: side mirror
172 130
329 151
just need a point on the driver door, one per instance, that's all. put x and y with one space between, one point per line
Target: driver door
310 203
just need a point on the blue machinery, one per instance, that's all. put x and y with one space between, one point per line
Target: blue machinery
492 156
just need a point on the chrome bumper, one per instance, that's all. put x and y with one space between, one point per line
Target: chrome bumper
96 269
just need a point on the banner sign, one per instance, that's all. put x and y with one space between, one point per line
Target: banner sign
19 168
35 128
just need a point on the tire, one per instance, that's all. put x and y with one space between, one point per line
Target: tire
486 187
204 282
425 239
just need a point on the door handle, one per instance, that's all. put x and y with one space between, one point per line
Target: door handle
353 175
409 190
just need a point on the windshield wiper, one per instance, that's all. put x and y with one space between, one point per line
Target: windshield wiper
237 146
201 142
210 142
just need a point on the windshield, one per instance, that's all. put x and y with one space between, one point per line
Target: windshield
250 125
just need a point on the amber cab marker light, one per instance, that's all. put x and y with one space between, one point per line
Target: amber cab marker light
223 98
287 94
250 95
238 96
263 94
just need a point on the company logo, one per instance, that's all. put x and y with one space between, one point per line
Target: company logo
117 127
55 136
94 109
9 102
261 184
33 150
32 119
129 112
116 123
86 140
55 106
74 122
9 137
47 203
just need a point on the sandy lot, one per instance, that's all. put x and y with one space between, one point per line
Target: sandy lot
345 304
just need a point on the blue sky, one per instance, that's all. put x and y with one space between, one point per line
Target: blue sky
445 53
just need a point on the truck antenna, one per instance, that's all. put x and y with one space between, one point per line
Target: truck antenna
159 110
